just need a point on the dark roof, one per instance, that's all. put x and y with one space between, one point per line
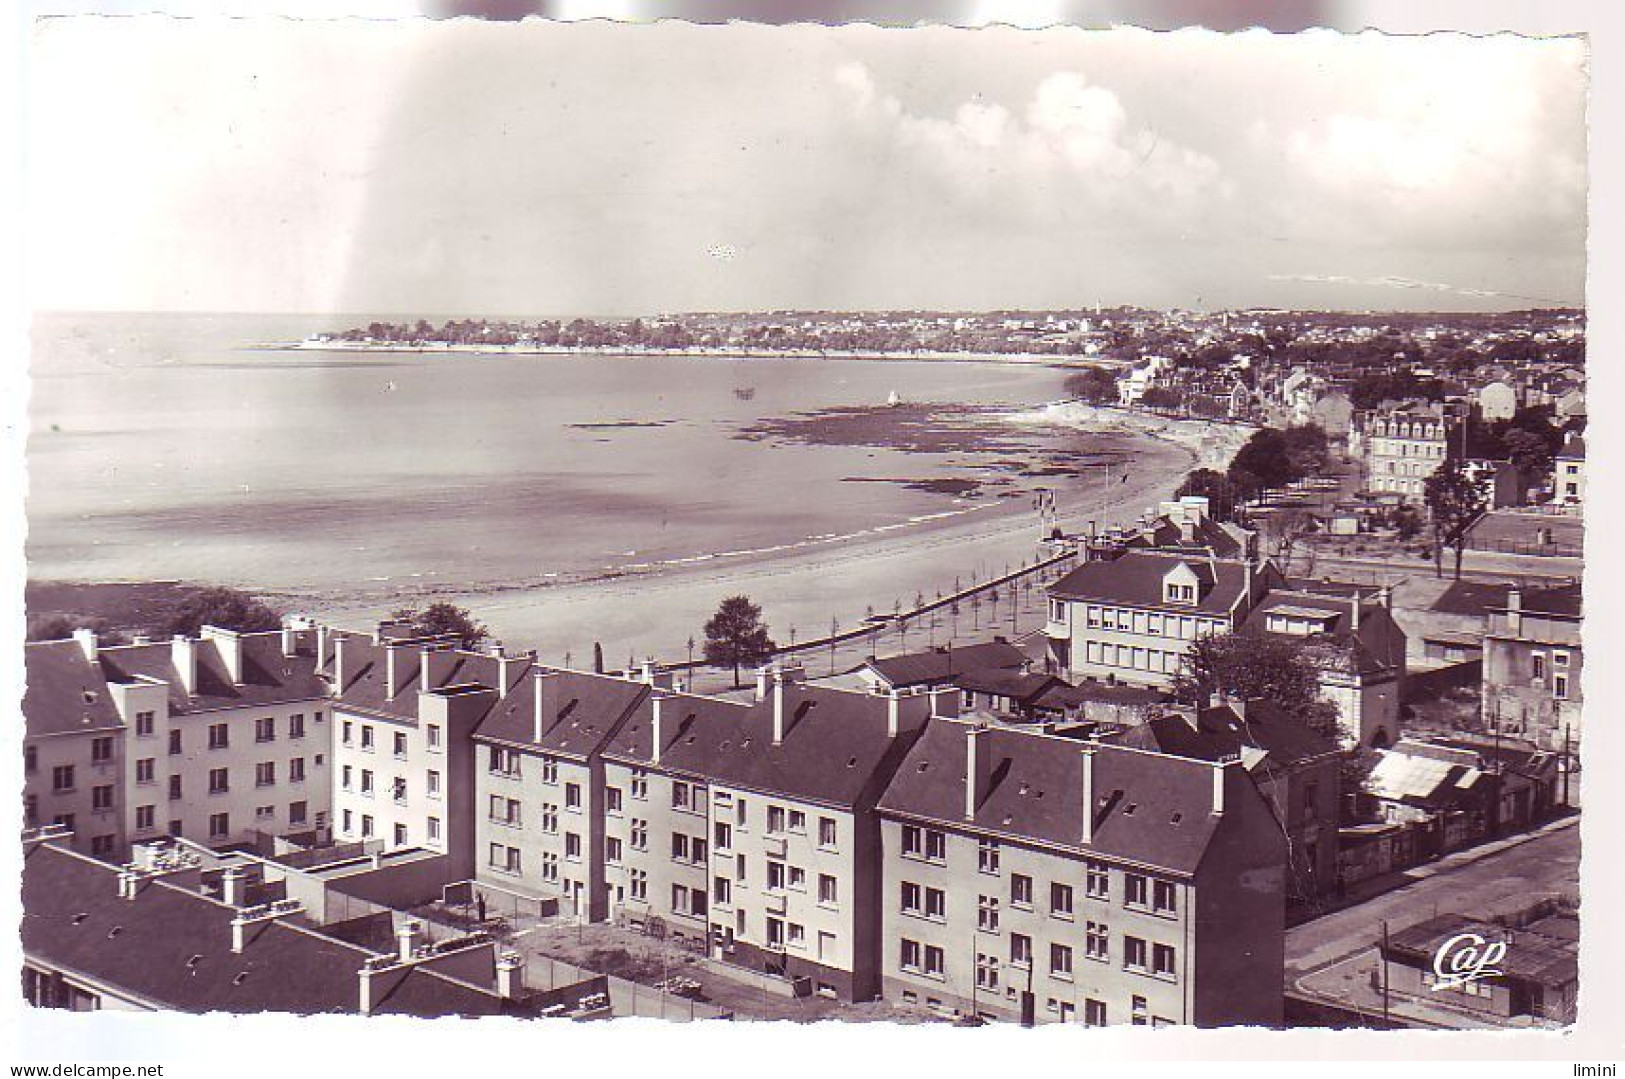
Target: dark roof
1085 691
366 672
1135 579
1531 955
1165 533
269 677
1524 758
834 750
1213 734
64 692
1023 687
941 665
1564 601
1473 598
579 711
1377 645
146 946
1153 809
1573 446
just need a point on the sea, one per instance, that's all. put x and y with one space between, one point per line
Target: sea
190 447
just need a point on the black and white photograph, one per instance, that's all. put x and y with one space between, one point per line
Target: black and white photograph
542 521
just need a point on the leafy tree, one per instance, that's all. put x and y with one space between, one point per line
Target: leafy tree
1406 521
1456 503
1093 384
226 608
1217 488
1264 457
444 619
1305 450
1248 666
1160 397
50 627
736 635
1529 452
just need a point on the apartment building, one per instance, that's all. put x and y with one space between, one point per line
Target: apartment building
1131 620
540 792
211 738
1402 447
73 746
405 712
1034 875
760 831
1533 663
1357 648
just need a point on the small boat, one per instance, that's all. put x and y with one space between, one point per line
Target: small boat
893 399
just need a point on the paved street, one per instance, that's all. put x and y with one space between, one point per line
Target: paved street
1546 865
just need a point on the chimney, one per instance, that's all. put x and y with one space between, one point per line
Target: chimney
128 884
945 701
87 643
407 937
426 670
764 677
647 674
778 708
510 975
975 766
230 646
393 675
538 725
183 654
1385 596
321 644
1515 611
892 709
1088 794
1218 786
1247 579
339 683
657 728
290 640
1354 611
239 935
233 885
507 665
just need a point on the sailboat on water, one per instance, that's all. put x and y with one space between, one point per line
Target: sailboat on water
893 399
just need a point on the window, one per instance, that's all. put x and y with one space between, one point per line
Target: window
145 816
219 780
297 812
265 774
366 737
550 867
101 750
143 724
366 781
550 819
174 788
775 820
913 841
1021 890
640 784
431 737
722 889
987 914
347 731
912 896
296 770
612 800
347 824
572 797
219 736
681 797
174 743
828 890
934 964
724 834
366 826
101 846
30 759
1164 897
145 769
1537 662
550 770
505 811
398 790
1135 889
504 858
775 876
432 784
62 777
679 847
827 831
219 825
572 846
639 834
30 810
936 904
1097 941
775 933
296 725
1134 953
1560 686
1162 960
638 884
101 797
434 829
1060 961
1021 949
65 820
1057 611
1060 900
1137 1012
265 730
987 971
504 762
987 856
345 775
1094 1013
612 850
400 745
909 954
798 822
400 835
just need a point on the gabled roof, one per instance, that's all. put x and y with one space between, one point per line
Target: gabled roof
835 745
1376 646
1472 598
1136 578
366 671
1564 601
269 677
1574 447
1548 959
1433 780
1022 687
1212 734
65 692
1149 808
172 948
939 666
579 712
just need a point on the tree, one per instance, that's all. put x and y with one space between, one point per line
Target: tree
1250 666
1529 453
1093 384
1456 503
1282 530
736 635
226 608
1264 456
1217 488
445 619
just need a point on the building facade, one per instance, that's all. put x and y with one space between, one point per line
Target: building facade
1401 448
1533 667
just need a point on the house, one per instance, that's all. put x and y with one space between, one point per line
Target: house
1131 619
1401 447
1502 484
1297 769
1332 412
1535 971
939 666
1034 876
1183 526
213 738
1356 646
1533 666
1568 472
1497 400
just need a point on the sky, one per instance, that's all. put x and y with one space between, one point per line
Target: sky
593 168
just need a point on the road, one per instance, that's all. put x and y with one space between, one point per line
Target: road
1507 880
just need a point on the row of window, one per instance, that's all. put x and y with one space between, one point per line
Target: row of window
401 834
1151 623
220 778
1140 890
368 741
1133 658
1139 956
398 788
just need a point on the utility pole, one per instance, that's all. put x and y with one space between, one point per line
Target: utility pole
1386 1017
1568 765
